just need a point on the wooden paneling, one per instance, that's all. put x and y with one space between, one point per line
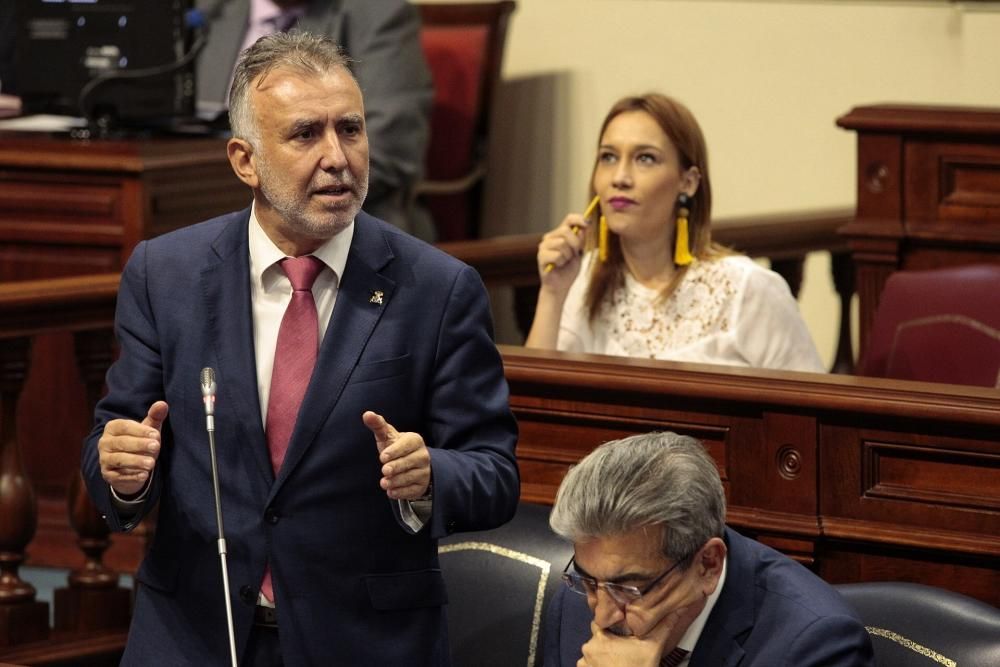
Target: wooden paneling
106 196
861 478
933 475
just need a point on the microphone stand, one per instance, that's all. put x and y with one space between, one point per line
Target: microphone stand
208 396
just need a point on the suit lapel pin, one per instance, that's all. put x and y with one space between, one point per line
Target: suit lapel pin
376 297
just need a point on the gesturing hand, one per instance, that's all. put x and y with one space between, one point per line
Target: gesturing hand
128 450
406 463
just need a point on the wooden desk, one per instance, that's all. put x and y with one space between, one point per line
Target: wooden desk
76 207
928 193
70 208
864 479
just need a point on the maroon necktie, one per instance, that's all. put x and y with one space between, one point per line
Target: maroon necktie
673 658
294 359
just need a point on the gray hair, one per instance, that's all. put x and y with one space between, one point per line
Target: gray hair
654 479
297 50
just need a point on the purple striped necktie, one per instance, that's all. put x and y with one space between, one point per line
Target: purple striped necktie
294 359
673 658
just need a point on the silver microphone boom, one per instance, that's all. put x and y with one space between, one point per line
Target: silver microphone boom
208 396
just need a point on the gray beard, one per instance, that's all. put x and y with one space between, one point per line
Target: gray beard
293 211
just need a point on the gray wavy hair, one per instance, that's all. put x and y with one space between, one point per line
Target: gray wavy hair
654 479
296 50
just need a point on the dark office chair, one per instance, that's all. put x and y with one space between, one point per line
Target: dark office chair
463 44
499 582
938 326
912 625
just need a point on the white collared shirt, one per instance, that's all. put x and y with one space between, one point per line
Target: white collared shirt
691 636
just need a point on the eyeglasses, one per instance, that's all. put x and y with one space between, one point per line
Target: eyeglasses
620 593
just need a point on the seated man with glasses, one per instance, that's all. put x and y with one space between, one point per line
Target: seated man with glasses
667 583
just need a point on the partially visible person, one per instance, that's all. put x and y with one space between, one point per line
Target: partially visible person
382 39
663 289
361 414
658 579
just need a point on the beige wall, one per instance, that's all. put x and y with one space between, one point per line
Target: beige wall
766 79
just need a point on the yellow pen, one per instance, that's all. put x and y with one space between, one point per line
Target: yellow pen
593 205
576 229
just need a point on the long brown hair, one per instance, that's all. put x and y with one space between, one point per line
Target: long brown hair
680 126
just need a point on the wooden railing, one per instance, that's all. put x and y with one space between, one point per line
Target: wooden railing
92 607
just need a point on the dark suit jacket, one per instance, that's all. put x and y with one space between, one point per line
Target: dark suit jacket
353 586
382 37
772 612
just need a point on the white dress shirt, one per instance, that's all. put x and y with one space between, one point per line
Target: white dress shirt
691 636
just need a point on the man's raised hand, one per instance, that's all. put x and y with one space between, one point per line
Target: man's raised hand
406 463
128 450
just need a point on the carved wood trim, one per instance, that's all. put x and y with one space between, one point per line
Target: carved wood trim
32 307
529 371
930 467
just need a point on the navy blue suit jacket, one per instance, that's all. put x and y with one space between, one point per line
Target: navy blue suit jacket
772 612
410 338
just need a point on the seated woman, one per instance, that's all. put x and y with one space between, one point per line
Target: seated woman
632 284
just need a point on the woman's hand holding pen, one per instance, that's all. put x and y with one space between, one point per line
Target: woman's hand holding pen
559 252
559 260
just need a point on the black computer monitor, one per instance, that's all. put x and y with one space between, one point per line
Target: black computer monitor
123 61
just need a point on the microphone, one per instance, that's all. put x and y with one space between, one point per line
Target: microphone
208 398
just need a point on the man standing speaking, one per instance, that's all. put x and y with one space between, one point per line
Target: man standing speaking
361 414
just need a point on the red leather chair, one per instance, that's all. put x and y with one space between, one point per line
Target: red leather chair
941 325
463 44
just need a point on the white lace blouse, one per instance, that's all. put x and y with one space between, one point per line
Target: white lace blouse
728 310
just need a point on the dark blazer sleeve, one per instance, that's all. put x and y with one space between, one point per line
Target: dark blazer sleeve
471 431
134 383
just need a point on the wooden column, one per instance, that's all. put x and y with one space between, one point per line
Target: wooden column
93 600
22 618
842 267
791 269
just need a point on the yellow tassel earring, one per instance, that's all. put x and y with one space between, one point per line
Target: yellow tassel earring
602 239
682 247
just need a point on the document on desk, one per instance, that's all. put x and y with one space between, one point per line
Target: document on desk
42 123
